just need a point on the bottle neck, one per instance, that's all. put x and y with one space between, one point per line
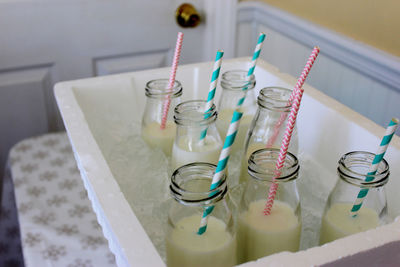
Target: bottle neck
158 89
190 185
275 99
263 176
157 97
193 113
261 166
235 85
355 168
237 81
273 107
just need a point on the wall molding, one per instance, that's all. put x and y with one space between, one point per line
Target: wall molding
369 61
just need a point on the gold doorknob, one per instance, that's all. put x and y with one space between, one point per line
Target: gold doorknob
187 16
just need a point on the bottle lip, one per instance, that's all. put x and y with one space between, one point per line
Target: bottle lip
157 88
353 168
275 98
190 185
236 80
261 166
191 113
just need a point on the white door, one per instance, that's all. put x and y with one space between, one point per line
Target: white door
46 41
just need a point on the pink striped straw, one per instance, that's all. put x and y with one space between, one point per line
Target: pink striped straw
289 129
299 84
171 81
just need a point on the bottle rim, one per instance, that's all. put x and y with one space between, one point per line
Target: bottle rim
191 113
275 98
268 156
157 88
184 189
351 164
236 80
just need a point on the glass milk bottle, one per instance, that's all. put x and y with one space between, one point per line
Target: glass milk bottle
190 188
260 235
268 126
232 83
156 97
191 122
338 220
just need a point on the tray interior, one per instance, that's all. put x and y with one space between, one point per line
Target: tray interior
111 105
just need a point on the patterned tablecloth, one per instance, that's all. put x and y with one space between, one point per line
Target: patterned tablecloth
57 224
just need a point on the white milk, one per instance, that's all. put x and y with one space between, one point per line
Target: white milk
163 139
216 247
260 235
224 119
185 152
338 222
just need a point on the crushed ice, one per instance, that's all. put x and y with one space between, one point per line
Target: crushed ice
136 166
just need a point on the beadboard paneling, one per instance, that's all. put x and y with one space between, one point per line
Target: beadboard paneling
359 76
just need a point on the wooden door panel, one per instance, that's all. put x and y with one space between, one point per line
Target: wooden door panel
131 62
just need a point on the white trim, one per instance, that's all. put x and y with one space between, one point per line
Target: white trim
369 61
220 28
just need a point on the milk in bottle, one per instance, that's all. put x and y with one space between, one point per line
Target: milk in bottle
259 234
197 139
341 217
190 190
156 97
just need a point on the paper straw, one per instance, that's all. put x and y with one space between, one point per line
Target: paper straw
253 63
390 130
289 130
221 166
230 138
171 81
211 91
299 84
277 128
256 54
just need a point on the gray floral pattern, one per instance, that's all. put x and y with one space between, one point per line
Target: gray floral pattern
54 252
57 226
32 239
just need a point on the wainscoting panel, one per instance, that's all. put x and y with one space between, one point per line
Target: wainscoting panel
131 62
25 105
359 76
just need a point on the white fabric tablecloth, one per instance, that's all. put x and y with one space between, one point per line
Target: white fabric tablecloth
57 224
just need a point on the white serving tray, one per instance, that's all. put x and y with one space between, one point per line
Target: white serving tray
327 130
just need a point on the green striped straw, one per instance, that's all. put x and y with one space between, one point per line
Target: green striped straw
211 91
230 138
390 130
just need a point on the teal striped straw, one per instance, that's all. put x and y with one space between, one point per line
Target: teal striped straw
230 138
390 130
211 91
